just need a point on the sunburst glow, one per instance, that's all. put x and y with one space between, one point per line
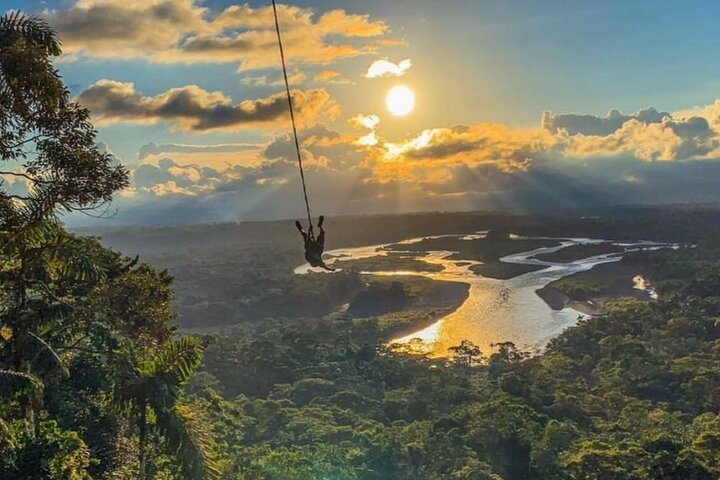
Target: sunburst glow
400 100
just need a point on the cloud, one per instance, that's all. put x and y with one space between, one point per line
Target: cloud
429 156
217 156
369 140
184 31
575 124
647 135
437 156
272 190
434 155
385 68
393 42
709 112
189 170
365 121
169 178
254 80
276 166
668 140
478 166
319 147
330 76
154 149
296 77
192 108
369 122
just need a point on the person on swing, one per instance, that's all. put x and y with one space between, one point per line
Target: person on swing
314 246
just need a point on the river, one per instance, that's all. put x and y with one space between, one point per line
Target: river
495 310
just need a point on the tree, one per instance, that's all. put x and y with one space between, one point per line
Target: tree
505 358
66 300
47 144
42 266
149 384
467 354
598 460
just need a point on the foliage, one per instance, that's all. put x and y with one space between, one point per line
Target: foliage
148 382
627 395
581 288
46 140
51 453
86 351
91 375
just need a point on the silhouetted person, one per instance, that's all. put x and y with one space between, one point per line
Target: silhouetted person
314 246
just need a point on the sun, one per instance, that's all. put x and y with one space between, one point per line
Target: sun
400 100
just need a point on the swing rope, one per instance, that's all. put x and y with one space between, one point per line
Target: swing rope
292 117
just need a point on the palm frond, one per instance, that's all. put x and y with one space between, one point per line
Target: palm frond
76 261
152 380
13 382
8 442
34 30
190 441
49 355
179 358
127 392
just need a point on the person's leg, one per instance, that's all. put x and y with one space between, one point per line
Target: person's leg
298 225
320 240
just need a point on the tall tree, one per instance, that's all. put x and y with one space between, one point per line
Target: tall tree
48 149
149 386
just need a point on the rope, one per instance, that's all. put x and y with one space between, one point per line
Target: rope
292 117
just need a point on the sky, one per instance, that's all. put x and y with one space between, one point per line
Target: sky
520 105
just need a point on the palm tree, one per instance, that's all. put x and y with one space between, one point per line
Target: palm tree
15 26
149 384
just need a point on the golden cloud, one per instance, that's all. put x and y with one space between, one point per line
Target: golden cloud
214 156
430 156
330 76
182 31
364 121
668 140
296 77
434 154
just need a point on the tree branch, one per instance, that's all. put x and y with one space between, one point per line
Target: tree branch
15 197
24 175
20 144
